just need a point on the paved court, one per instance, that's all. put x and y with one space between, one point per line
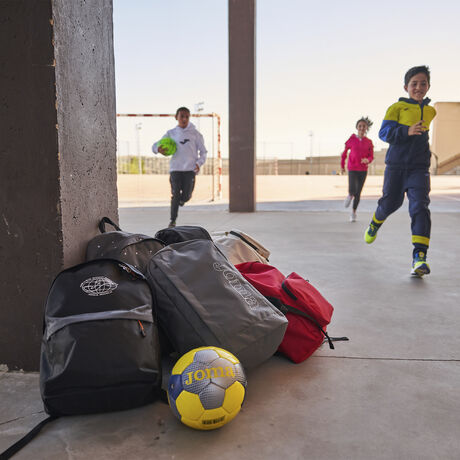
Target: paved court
154 190
392 392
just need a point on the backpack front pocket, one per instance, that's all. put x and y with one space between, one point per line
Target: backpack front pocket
101 349
142 313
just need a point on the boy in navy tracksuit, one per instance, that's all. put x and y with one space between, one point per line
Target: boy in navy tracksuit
190 156
405 128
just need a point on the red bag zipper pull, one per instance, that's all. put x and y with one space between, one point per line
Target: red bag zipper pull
141 327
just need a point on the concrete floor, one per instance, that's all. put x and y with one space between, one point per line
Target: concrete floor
392 392
136 190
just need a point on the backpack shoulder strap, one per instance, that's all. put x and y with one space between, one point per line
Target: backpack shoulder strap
17 446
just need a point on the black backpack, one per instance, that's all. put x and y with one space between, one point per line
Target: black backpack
100 349
135 249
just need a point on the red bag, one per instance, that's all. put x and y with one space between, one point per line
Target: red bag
307 311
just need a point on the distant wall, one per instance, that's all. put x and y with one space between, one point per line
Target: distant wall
270 166
446 129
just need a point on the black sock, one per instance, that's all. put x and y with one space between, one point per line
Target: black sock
419 248
375 222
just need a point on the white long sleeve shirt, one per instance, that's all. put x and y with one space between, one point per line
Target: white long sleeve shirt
190 148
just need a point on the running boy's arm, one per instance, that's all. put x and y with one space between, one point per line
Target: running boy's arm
202 152
391 130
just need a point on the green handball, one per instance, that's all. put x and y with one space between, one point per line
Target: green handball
169 145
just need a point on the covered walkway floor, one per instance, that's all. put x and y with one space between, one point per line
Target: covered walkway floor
390 393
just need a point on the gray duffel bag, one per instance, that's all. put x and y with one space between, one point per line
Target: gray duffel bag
202 300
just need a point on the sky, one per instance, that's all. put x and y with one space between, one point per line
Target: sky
320 66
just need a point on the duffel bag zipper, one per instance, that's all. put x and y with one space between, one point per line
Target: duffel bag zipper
134 272
285 308
290 309
296 311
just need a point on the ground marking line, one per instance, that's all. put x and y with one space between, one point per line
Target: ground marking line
391 359
449 197
20 418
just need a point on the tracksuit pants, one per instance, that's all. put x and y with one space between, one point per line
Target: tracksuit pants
356 181
182 185
416 183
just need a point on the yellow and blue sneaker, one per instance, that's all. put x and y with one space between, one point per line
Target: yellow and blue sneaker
371 233
419 265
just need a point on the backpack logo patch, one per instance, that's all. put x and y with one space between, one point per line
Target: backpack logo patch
98 285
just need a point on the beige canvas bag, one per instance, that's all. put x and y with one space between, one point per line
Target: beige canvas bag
239 247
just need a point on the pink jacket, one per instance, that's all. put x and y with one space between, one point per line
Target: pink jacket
360 148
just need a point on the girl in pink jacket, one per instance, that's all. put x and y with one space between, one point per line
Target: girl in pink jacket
361 154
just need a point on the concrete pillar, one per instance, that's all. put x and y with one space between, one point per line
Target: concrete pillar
242 104
57 154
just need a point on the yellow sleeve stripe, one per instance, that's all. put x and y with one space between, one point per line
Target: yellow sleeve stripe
421 239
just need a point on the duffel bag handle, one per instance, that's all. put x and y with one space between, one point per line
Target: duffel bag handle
106 220
242 238
18 445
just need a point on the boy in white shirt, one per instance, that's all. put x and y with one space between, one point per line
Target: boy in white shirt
190 156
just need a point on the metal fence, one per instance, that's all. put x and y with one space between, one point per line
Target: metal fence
155 165
275 167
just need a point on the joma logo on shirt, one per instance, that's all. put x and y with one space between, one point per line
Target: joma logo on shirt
184 141
200 374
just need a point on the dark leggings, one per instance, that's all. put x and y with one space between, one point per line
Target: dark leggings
356 181
182 185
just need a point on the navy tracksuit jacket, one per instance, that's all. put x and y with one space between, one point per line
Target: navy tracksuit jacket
407 170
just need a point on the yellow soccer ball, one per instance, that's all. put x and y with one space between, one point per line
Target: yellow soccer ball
207 387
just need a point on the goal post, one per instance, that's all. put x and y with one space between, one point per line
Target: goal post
214 148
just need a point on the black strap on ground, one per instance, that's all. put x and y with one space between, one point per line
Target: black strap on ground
106 220
337 339
17 446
